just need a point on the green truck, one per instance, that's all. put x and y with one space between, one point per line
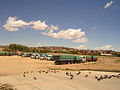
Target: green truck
71 59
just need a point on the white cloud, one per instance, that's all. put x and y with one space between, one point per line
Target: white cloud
118 50
52 28
12 24
81 47
108 4
67 34
81 40
75 35
39 44
38 25
105 47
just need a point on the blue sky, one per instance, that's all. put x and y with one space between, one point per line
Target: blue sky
85 24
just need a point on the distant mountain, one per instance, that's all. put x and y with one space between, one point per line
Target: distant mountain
60 49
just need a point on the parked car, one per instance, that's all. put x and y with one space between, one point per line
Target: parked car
48 57
35 56
26 54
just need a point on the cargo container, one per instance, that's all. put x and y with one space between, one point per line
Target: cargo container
67 59
71 59
91 58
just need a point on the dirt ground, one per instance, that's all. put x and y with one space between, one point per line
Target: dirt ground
13 67
16 65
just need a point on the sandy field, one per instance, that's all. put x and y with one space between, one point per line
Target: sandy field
34 74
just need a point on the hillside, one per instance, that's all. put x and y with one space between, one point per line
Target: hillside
56 49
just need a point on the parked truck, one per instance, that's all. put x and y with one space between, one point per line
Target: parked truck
71 59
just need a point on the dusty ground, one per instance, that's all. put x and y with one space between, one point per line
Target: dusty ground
12 68
17 65
60 81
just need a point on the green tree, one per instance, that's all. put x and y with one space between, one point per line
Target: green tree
15 47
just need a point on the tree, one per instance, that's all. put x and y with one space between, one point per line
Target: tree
15 47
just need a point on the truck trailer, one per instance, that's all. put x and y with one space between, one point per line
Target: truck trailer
71 59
